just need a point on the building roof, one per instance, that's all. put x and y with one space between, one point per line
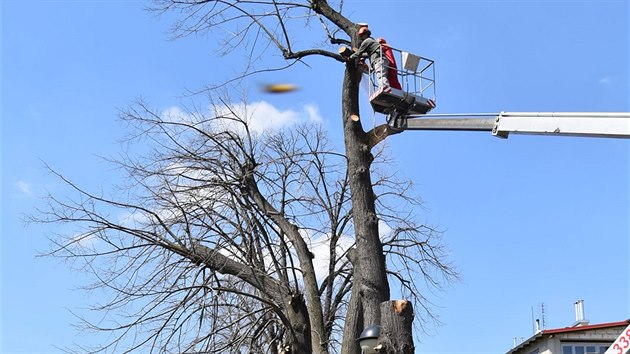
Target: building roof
566 330
586 327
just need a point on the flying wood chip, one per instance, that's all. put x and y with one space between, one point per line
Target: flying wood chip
280 88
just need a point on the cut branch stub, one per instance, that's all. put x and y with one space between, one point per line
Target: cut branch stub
396 328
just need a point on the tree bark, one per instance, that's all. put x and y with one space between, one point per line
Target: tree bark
298 315
396 328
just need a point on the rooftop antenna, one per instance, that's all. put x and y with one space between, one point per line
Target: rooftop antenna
542 314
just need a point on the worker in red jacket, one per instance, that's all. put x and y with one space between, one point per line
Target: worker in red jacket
392 69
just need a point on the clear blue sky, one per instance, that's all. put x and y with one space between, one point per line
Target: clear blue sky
528 220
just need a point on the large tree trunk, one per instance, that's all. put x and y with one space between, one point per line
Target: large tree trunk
371 286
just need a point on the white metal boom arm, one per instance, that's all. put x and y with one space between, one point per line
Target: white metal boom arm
592 124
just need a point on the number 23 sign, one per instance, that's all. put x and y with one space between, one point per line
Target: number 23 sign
621 344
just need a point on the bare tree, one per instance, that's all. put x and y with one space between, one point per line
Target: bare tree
224 226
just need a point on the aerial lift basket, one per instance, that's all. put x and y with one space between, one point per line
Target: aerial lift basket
416 95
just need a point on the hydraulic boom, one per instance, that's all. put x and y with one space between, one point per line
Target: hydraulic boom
592 124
